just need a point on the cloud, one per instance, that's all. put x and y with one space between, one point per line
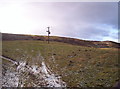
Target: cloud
83 20
90 20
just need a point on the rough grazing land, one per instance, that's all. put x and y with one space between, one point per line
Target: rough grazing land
58 64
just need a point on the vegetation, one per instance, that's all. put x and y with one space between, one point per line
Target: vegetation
79 66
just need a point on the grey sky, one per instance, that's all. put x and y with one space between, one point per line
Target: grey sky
83 20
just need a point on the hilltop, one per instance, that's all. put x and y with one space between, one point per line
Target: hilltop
73 41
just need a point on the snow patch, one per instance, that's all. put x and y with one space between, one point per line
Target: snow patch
21 65
35 69
12 78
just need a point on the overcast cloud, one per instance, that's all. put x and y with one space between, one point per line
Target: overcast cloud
83 20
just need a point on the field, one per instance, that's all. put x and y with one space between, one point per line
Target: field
78 66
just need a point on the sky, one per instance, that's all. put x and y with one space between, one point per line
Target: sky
96 21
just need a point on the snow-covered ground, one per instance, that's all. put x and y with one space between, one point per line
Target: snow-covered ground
31 76
10 79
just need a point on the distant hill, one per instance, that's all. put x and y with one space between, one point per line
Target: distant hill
73 41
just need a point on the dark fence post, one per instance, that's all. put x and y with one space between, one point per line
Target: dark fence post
48 33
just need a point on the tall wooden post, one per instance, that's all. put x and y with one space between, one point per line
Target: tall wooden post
48 33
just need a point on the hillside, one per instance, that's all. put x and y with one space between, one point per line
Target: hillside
73 41
29 61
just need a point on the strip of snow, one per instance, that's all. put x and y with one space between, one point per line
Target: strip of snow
44 69
52 80
14 62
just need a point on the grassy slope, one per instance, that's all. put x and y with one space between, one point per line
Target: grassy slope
78 65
